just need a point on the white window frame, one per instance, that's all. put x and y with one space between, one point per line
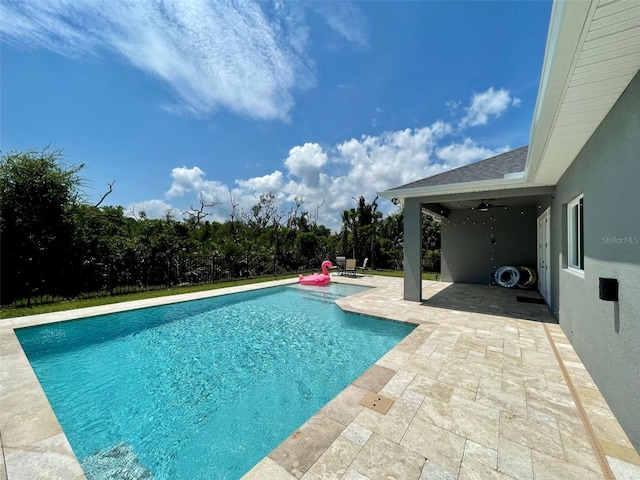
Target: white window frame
575 234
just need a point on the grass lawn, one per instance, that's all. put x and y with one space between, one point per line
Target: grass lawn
10 312
400 273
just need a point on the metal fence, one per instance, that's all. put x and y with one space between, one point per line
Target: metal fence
113 278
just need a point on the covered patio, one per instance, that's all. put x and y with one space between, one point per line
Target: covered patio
489 219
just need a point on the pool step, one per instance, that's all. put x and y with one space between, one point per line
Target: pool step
324 297
116 463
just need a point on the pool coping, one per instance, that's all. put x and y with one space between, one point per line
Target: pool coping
32 442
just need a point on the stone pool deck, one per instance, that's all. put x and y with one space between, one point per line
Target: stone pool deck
484 387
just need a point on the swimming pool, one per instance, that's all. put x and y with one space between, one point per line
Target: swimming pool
201 389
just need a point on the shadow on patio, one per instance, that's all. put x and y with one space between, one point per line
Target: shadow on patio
490 300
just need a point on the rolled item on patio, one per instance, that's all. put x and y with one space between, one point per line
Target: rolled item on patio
507 276
528 277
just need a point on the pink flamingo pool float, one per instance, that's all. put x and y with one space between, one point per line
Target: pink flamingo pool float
317 278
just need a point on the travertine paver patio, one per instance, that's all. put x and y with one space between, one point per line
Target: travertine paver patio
482 388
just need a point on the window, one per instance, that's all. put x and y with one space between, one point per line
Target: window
575 221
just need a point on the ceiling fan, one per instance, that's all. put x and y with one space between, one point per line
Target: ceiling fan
485 207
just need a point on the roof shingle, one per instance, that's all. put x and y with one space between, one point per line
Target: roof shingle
489 169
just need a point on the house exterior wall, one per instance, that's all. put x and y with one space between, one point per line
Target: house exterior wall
606 335
468 254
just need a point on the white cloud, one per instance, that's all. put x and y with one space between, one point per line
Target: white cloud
306 162
362 166
191 180
215 192
491 103
393 157
212 55
335 176
355 167
458 154
265 184
152 209
346 19
185 180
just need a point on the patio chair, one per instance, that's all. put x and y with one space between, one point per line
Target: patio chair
340 263
350 267
364 264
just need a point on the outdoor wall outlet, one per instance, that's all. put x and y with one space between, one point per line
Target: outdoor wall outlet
609 289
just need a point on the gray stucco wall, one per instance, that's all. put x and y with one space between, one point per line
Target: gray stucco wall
606 335
467 250
412 263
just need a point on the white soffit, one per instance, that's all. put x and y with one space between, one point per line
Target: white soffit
593 52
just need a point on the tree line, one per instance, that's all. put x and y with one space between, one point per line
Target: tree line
55 243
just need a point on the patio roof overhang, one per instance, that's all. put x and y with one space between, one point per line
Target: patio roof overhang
440 205
513 186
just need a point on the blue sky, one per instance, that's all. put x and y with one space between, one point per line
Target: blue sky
323 101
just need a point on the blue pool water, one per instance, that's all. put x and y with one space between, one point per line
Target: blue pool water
201 389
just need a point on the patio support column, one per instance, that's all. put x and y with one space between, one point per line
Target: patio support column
412 264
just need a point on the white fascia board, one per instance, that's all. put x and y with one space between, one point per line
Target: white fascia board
566 32
514 175
453 188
